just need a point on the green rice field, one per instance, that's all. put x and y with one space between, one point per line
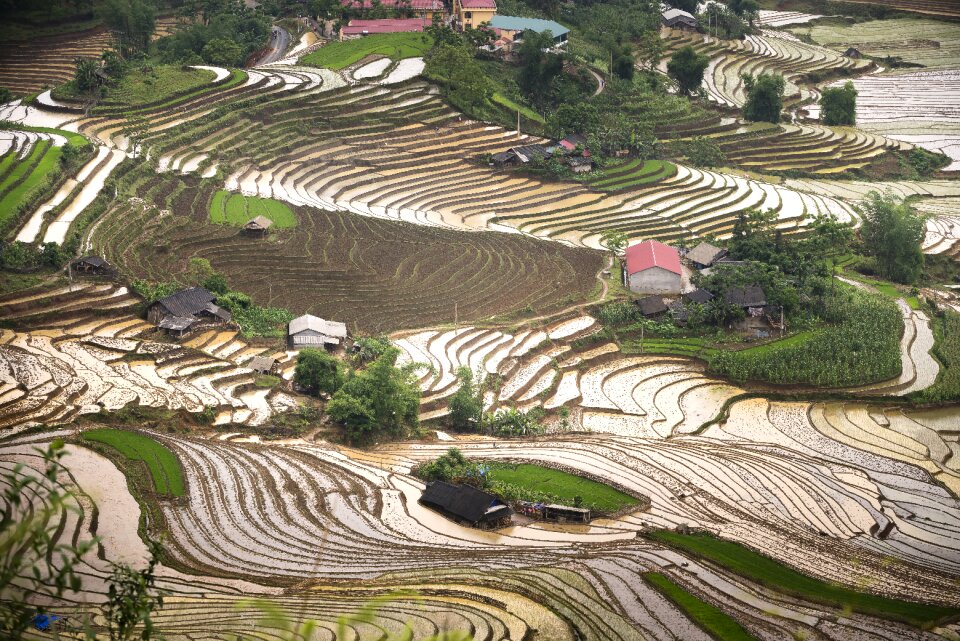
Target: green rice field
395 46
562 485
162 464
227 208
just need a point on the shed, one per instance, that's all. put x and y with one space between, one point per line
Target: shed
700 296
176 325
90 265
526 153
262 364
466 503
553 512
311 331
853 52
752 296
652 268
651 306
258 225
503 158
579 164
679 19
705 254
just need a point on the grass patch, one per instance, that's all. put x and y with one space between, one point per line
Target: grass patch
559 486
707 616
266 381
227 208
28 174
765 571
527 112
395 46
164 468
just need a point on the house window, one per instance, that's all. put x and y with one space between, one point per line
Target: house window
468 15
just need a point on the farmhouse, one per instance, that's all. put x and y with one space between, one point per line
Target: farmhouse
704 255
262 364
699 296
573 141
179 312
652 268
258 226
311 331
358 28
473 13
746 297
511 28
678 19
466 504
91 265
579 164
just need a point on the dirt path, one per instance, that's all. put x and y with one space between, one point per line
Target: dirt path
601 83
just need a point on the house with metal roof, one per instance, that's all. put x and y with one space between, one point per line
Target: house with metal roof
679 19
466 504
258 226
512 28
311 331
705 254
93 265
651 267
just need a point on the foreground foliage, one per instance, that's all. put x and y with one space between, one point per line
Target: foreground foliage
766 571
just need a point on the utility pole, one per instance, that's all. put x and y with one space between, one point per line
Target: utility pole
518 123
456 317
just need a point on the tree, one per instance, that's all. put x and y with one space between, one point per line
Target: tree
221 51
892 232
113 64
690 6
650 49
5 95
463 81
764 97
686 67
85 76
574 118
722 22
132 21
369 348
615 241
703 152
839 105
621 57
480 36
318 371
540 66
382 399
466 404
132 598
199 270
216 283
745 8
32 562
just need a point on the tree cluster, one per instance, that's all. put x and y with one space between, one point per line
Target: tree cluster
892 233
221 32
764 97
686 67
839 105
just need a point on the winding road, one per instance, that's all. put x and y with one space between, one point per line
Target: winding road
279 42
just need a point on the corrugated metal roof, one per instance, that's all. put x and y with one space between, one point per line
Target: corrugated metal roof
319 325
187 302
478 4
670 14
705 253
651 253
516 23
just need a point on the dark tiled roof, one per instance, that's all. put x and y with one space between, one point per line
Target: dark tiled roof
746 297
218 311
701 296
464 501
187 302
705 254
93 261
650 305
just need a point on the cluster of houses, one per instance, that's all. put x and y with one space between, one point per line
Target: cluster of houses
508 31
571 151
661 274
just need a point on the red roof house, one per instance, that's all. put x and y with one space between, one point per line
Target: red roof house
478 4
387 25
422 8
652 268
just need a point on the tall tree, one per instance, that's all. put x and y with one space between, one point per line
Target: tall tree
466 404
318 371
839 105
132 21
764 97
686 67
892 232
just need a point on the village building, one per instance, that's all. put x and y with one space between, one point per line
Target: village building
679 19
652 268
652 306
566 513
746 297
679 312
510 29
705 255
853 52
473 13
311 331
358 28
180 312
258 226
262 364
466 504
91 266
573 142
699 296
579 164
424 9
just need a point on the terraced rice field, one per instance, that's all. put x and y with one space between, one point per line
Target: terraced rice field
237 210
27 159
930 7
84 349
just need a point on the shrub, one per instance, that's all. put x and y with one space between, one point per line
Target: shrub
839 105
703 152
764 97
318 371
